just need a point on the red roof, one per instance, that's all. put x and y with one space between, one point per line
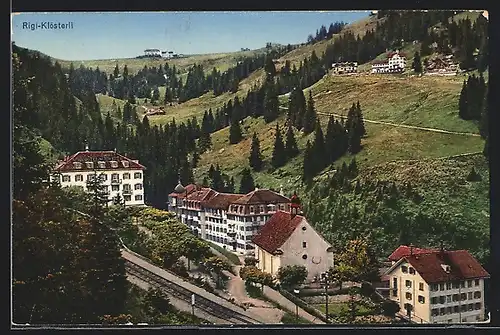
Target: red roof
221 200
202 194
404 250
380 62
189 189
276 231
96 157
462 266
262 197
390 54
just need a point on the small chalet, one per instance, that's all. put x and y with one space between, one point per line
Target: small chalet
437 285
344 68
395 63
288 239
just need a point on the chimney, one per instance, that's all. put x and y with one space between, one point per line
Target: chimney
411 249
281 189
86 147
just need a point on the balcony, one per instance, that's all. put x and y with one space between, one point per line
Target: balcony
116 181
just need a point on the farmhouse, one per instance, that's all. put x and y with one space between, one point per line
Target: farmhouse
437 285
343 68
120 175
395 63
288 239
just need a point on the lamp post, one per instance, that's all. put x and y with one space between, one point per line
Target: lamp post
296 291
325 281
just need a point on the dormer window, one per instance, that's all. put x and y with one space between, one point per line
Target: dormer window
114 164
251 210
102 165
77 165
90 165
125 164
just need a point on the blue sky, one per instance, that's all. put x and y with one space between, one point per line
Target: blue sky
122 35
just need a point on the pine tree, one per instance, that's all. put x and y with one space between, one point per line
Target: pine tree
463 109
353 168
247 183
278 158
255 155
330 141
309 116
354 140
235 134
360 122
271 103
318 148
291 149
308 165
417 63
269 67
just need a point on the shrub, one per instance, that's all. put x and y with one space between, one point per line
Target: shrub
389 308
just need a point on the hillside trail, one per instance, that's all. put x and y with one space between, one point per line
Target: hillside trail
435 130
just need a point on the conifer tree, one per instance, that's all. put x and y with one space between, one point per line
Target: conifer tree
235 134
247 183
354 140
360 122
255 154
309 116
463 103
417 63
318 148
291 148
308 165
278 158
330 141
271 103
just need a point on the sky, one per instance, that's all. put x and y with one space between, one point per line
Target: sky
122 35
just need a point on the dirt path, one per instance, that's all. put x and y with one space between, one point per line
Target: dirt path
435 130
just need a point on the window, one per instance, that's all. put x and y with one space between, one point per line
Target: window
90 177
125 164
115 187
449 310
304 244
477 294
78 177
456 309
464 319
455 284
412 271
395 283
304 256
77 165
469 295
463 308
442 299
115 176
126 187
251 210
463 296
114 164
103 177
470 307
434 287
408 296
469 283
66 178
102 165
138 197
435 312
441 286
462 284
442 311
421 299
137 175
304 228
404 269
90 165
126 175
434 300
138 187
476 282
456 297
106 188
127 197
408 283
448 298
448 286
477 306
420 286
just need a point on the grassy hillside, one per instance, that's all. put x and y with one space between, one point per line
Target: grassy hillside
221 61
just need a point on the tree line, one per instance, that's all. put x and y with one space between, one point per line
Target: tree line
324 34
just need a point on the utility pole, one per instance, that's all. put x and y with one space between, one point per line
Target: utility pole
324 276
192 303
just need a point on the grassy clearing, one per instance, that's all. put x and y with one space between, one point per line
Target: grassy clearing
382 144
221 61
418 101
336 309
233 258
289 318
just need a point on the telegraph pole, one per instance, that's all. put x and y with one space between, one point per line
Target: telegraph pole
192 303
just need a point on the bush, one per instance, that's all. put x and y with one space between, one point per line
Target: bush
180 269
250 261
389 308
154 214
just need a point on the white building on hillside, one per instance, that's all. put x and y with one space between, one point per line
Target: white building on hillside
437 286
120 175
288 239
229 220
152 53
344 68
395 63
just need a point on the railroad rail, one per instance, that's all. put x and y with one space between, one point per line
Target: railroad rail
178 291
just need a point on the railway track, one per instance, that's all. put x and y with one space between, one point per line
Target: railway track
184 294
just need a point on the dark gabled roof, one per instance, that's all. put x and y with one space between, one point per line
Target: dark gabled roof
404 250
221 200
105 157
261 196
276 231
